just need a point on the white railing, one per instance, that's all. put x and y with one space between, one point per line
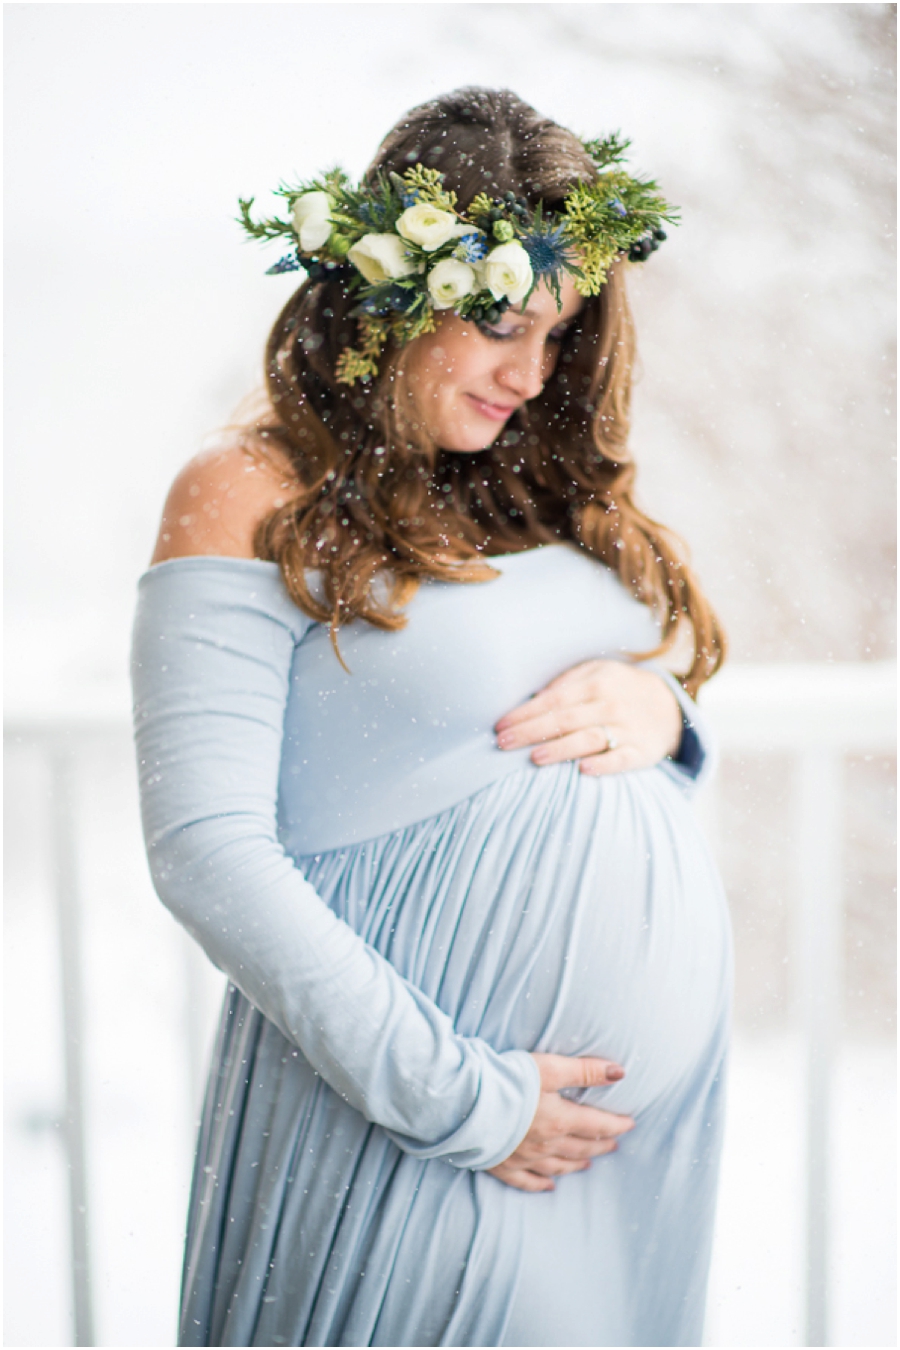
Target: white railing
820 713
817 713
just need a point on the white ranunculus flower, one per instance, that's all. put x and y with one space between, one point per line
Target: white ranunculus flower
506 271
427 226
449 281
311 216
381 257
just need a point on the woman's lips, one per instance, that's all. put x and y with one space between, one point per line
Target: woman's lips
497 412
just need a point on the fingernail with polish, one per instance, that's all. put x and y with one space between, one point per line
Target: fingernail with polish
614 1072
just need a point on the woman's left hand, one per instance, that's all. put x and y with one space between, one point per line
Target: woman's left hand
610 715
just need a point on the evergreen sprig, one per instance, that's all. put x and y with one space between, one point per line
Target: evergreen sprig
607 150
261 229
427 184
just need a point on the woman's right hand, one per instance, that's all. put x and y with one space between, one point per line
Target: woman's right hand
564 1136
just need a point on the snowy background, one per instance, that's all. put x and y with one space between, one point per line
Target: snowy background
764 430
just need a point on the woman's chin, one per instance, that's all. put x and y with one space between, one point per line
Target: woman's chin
471 440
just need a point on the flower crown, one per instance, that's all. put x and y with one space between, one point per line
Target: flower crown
402 246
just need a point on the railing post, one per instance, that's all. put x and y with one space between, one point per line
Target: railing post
62 769
819 857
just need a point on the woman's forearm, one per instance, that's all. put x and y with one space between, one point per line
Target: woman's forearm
212 654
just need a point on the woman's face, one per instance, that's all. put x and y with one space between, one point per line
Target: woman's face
466 380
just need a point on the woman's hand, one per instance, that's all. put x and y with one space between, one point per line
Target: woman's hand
610 715
564 1136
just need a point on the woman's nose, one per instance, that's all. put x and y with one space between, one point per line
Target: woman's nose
523 372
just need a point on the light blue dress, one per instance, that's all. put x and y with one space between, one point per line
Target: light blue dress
404 911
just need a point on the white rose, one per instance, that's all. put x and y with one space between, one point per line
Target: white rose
506 271
311 216
449 281
381 257
428 226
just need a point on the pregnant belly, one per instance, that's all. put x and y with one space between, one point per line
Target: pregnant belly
554 912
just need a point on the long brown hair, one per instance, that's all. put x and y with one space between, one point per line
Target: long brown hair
376 497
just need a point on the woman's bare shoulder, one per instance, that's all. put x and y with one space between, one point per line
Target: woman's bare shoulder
217 501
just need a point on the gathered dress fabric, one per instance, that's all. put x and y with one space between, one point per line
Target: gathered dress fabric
403 912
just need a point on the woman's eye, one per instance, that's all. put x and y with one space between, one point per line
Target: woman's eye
556 335
498 334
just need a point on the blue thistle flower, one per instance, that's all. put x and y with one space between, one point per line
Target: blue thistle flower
473 246
371 213
548 251
410 198
617 206
289 263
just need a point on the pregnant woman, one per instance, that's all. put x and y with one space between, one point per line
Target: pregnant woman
411 778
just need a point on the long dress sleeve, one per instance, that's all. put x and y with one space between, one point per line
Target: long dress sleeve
213 645
695 761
